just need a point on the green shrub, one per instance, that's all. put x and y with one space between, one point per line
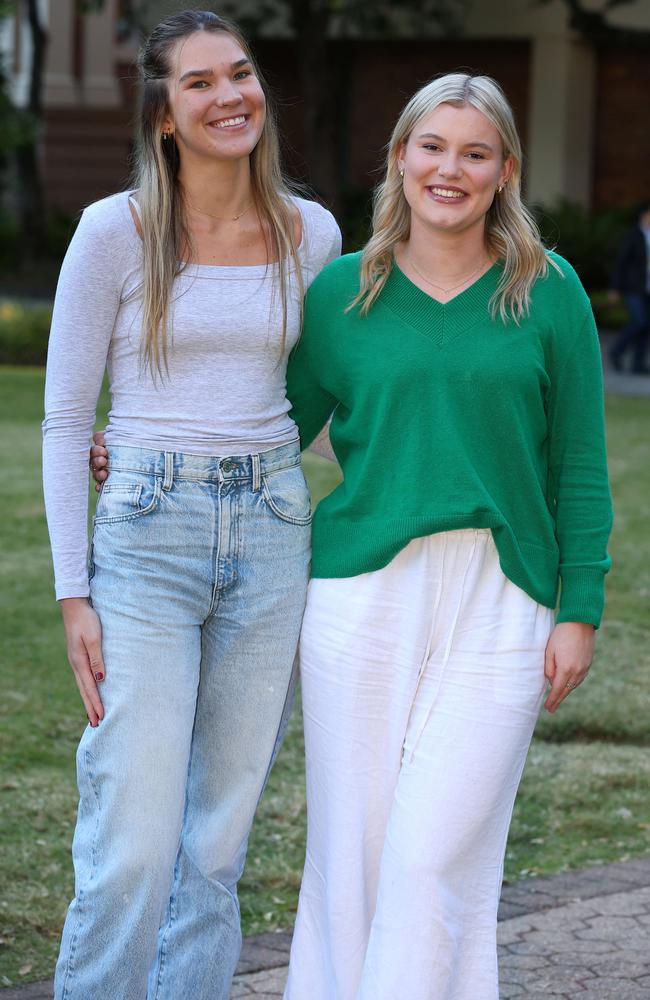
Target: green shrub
609 315
588 239
8 243
24 331
23 275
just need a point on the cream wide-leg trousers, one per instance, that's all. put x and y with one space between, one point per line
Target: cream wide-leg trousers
421 685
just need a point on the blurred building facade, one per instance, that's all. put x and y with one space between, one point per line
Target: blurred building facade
583 110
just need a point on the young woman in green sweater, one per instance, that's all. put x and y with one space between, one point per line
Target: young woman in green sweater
460 363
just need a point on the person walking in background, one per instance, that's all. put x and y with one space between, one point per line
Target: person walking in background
200 550
631 281
461 365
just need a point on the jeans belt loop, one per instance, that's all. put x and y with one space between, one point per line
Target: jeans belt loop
257 475
169 471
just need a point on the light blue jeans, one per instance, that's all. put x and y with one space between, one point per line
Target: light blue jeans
198 573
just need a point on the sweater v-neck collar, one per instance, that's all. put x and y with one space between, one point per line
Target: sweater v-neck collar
441 321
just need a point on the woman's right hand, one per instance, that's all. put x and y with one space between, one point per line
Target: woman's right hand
99 460
83 633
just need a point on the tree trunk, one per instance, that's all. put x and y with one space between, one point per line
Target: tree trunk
321 89
31 203
596 29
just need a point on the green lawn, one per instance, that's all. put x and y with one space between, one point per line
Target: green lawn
586 792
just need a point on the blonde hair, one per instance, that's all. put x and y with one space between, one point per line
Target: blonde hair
165 235
510 230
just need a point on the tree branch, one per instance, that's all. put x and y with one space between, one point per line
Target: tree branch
596 29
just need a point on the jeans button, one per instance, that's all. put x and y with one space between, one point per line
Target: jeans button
227 466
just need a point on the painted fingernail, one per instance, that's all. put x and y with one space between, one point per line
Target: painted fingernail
99 676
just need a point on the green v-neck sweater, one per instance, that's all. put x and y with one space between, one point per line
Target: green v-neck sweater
446 418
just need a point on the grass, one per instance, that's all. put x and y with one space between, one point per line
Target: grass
585 797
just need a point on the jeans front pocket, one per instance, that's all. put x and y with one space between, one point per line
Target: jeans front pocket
286 493
127 497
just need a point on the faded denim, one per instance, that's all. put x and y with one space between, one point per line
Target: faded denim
198 572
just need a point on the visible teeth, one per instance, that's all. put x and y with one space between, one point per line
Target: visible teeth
230 121
444 193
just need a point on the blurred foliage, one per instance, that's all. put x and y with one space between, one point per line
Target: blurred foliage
356 218
18 125
339 18
609 315
591 20
39 279
58 233
587 238
24 331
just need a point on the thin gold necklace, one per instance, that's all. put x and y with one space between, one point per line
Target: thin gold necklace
441 287
220 218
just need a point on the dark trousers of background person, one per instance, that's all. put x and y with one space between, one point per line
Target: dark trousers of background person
634 335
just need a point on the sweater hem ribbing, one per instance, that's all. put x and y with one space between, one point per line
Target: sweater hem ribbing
339 551
343 549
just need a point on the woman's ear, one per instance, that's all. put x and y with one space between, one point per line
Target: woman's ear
506 170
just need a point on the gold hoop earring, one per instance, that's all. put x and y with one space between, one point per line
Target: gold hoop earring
500 188
401 173
166 135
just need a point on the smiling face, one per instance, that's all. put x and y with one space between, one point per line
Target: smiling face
453 164
217 106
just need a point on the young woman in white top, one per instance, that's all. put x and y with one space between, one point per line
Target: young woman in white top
182 630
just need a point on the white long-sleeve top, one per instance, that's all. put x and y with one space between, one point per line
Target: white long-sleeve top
224 393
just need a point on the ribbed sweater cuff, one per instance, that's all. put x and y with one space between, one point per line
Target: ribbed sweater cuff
583 595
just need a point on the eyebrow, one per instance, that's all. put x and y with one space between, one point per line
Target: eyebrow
210 72
479 145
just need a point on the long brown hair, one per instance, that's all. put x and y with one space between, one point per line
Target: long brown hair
165 235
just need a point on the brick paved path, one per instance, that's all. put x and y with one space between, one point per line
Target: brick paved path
583 936
577 936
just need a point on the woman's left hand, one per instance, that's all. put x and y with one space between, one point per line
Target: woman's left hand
569 653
